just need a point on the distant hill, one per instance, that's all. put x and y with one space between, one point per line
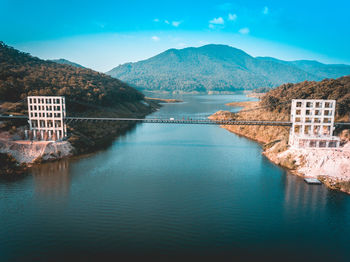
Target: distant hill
22 75
315 67
66 62
219 68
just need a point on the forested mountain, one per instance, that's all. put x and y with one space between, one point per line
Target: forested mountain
66 62
219 68
337 89
315 67
22 75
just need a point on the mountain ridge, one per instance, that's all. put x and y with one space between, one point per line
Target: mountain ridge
219 68
66 62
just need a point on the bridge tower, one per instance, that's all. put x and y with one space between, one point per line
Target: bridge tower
46 117
313 124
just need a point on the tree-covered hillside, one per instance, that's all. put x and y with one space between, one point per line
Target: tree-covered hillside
218 68
22 75
337 89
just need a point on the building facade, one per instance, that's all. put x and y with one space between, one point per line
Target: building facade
46 117
313 124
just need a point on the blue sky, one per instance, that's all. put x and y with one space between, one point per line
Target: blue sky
103 34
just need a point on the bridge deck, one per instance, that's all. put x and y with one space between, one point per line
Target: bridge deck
183 121
175 121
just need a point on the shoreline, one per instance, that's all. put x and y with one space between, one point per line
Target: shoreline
164 92
330 166
164 100
18 156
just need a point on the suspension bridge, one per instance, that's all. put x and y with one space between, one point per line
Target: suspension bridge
165 121
203 121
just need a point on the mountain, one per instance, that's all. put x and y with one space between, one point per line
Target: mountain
66 62
219 68
22 75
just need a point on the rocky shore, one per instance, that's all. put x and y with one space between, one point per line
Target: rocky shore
331 166
26 152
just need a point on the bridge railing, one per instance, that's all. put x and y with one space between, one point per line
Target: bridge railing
176 121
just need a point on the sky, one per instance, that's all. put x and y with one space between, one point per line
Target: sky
103 34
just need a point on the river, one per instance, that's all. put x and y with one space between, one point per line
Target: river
172 190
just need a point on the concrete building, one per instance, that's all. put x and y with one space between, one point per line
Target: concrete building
313 124
46 117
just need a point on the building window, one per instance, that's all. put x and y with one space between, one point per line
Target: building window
316 130
312 143
307 130
322 144
332 144
297 129
328 112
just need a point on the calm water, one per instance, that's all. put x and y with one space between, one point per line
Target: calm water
172 190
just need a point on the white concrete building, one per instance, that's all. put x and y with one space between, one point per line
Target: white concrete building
46 117
313 123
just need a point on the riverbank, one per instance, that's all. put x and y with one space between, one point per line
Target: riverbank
84 137
161 100
331 166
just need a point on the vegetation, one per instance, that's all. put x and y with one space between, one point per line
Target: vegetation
338 89
22 75
88 93
219 68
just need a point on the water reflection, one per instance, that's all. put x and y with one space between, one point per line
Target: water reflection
299 195
52 179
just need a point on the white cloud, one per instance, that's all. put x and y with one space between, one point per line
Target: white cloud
166 21
176 23
244 31
265 11
217 21
232 17
155 38
156 20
